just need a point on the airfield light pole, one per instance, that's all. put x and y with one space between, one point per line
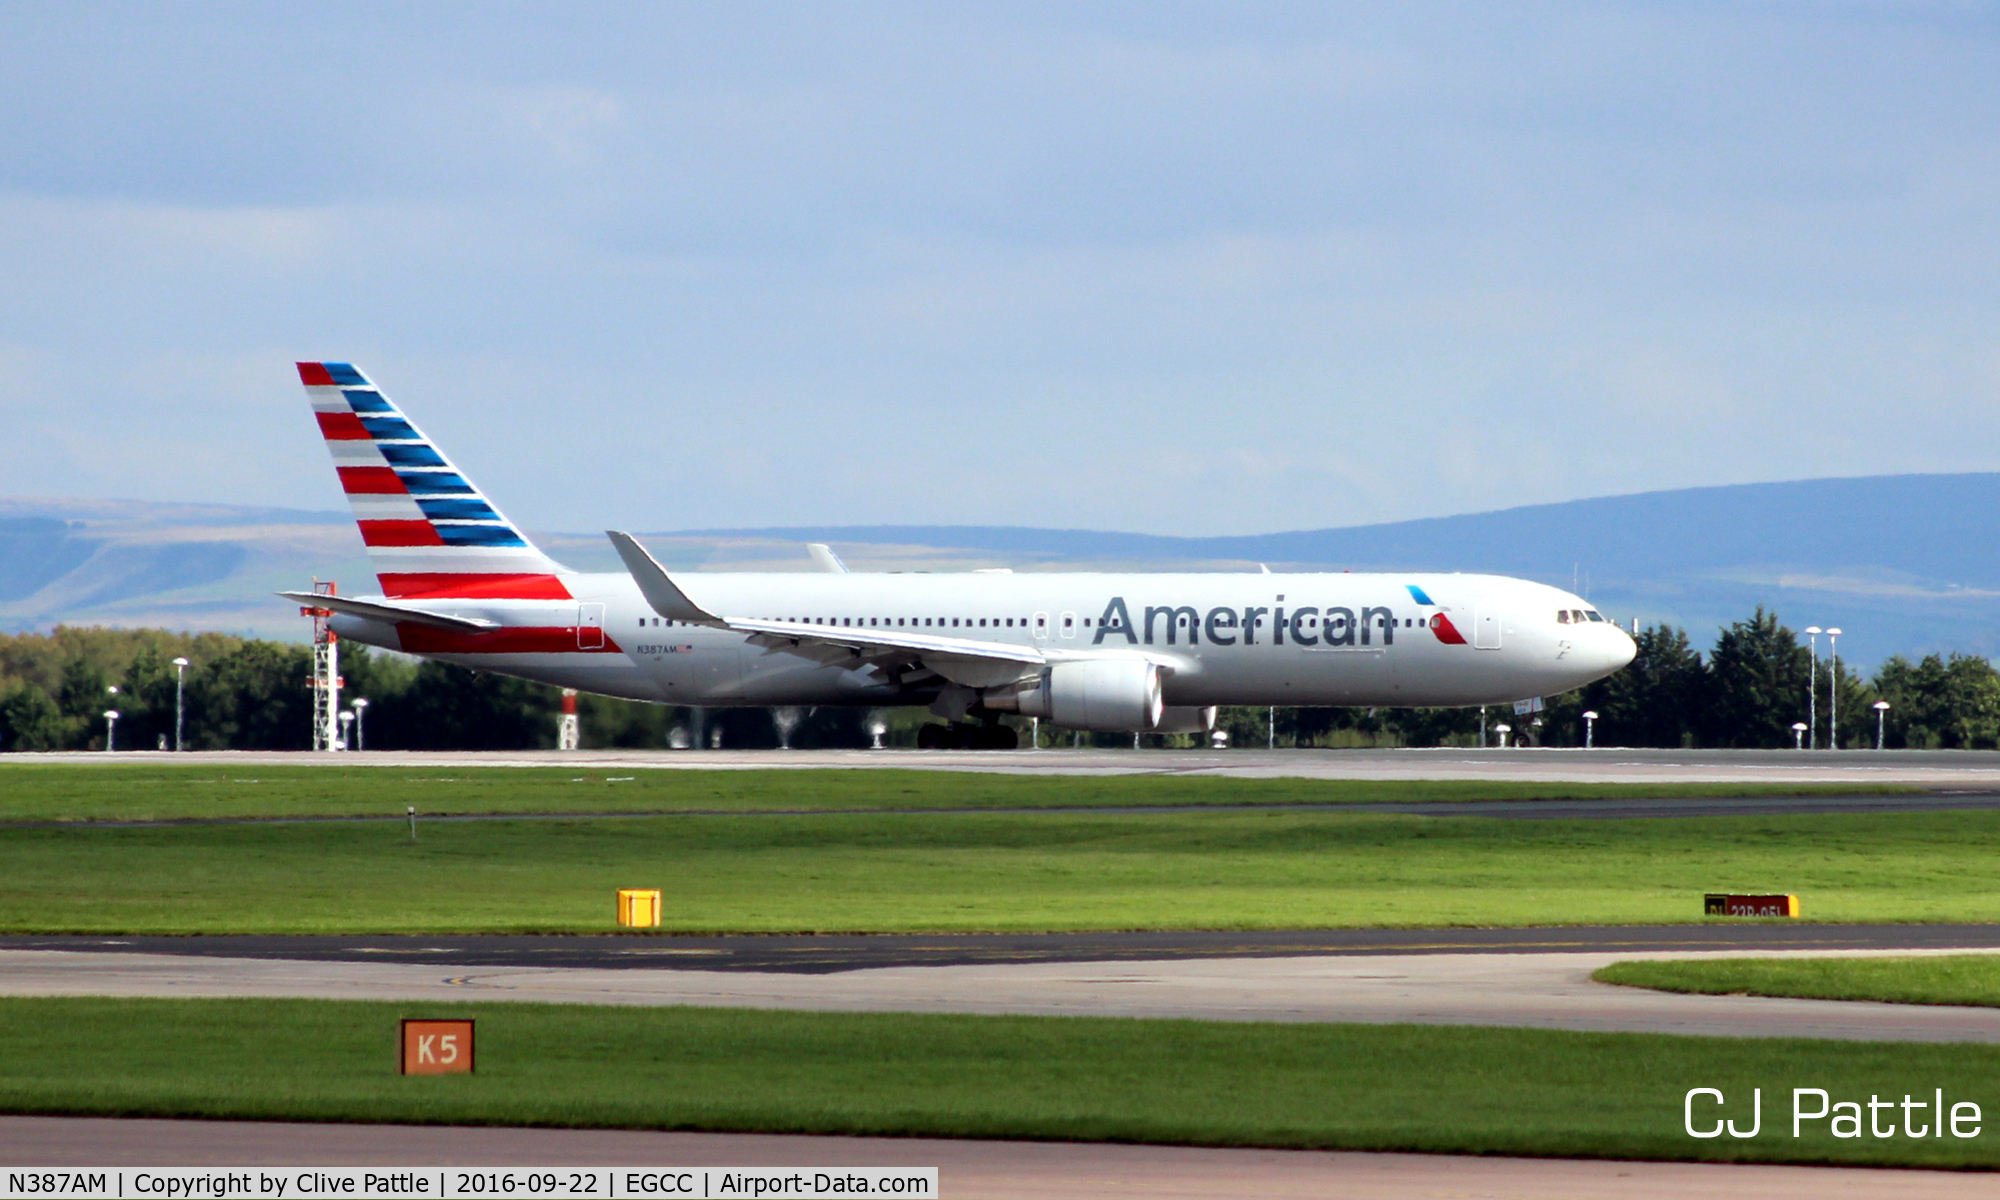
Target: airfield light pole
1271 728
1812 685
180 700
1798 735
346 720
1590 731
110 729
360 707
1833 691
1881 713
1503 729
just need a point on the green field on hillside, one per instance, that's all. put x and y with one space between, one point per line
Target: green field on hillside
1270 868
1918 979
1415 1088
85 791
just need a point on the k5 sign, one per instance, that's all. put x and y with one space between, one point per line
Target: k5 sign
435 1047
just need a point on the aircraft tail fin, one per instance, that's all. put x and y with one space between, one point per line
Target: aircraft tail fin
429 531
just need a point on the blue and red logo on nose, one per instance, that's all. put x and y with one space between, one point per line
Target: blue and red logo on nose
1438 622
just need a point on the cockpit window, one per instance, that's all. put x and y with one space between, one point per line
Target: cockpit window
1562 618
1592 614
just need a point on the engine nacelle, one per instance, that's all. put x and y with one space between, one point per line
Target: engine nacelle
1109 695
1187 720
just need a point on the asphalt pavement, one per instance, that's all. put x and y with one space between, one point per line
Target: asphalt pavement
819 954
1979 769
1624 808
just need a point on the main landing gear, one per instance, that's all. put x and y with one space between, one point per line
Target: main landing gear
967 737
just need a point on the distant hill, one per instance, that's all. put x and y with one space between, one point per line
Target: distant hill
1905 563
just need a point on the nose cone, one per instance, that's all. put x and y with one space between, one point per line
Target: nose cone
1619 650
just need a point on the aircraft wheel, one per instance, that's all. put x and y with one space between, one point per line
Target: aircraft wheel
996 737
928 737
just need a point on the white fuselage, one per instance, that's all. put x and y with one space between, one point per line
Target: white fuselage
1263 639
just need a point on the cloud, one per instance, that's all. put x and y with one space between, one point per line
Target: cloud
1181 269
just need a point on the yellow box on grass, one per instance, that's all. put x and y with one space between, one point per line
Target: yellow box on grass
639 906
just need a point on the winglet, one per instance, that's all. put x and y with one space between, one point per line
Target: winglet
655 585
825 558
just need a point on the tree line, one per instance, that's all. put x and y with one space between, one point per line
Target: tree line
251 694
1746 691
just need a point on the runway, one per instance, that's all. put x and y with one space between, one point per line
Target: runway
815 954
1955 800
969 1170
1973 769
1526 989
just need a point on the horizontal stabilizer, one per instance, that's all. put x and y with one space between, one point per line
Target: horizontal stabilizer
377 610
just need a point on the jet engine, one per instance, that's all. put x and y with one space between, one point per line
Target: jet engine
1186 720
1112 695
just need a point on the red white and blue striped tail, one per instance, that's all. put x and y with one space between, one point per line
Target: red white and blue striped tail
429 531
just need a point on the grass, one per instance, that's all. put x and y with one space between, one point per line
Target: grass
1416 1088
1265 869
1918 979
85 791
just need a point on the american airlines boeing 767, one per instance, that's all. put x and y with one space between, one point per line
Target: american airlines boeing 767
1109 652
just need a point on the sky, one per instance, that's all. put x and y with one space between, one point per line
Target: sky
1176 269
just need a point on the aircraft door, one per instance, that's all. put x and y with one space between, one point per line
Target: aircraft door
1041 628
1485 629
1067 628
590 627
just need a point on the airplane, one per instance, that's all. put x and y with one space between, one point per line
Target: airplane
1128 653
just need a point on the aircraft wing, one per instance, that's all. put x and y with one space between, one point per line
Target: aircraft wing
390 611
831 644
872 641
